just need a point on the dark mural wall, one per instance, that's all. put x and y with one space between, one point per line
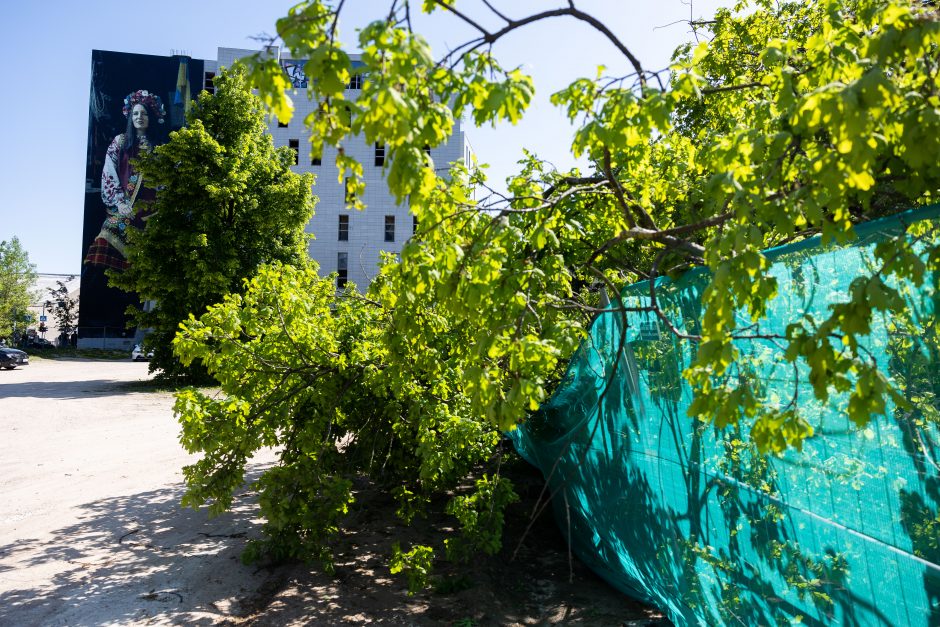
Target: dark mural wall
136 101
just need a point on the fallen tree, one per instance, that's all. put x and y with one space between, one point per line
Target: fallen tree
792 120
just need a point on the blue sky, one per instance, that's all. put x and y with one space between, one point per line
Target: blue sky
44 110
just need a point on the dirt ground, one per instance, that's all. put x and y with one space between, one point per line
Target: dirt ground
91 531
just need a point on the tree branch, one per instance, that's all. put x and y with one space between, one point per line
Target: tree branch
339 8
486 33
697 251
511 25
572 181
659 312
493 9
716 90
644 218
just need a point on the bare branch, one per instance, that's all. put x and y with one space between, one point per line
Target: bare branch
408 16
663 237
670 24
644 218
493 9
597 24
336 13
674 243
598 310
571 10
659 312
715 90
572 180
449 7
618 190
697 226
471 45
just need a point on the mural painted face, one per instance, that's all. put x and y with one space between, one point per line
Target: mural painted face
140 118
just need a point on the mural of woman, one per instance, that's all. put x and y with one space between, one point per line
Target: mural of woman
122 187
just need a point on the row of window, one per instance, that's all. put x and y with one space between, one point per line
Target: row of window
380 153
343 228
294 144
342 258
355 82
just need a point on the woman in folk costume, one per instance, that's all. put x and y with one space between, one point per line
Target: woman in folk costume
121 185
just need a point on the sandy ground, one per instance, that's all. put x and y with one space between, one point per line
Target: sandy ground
91 532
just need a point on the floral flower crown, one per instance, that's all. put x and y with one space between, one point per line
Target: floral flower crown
144 97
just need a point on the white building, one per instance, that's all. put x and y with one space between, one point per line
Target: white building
347 240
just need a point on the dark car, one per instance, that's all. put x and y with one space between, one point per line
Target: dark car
10 358
38 342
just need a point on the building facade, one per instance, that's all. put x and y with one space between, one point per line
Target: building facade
346 241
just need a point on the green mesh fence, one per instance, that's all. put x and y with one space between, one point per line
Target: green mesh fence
694 520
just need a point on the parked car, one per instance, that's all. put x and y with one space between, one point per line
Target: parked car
138 353
10 358
38 342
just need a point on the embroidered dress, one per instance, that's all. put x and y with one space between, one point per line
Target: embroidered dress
121 188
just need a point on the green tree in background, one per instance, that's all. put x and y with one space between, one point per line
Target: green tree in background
227 202
64 308
787 121
17 276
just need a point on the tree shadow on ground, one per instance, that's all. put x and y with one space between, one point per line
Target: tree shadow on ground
541 586
69 390
142 558
133 558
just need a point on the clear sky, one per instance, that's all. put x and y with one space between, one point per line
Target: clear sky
46 82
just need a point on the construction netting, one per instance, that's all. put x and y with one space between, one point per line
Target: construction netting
693 520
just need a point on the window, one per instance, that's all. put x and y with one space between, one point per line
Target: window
342 269
350 192
379 154
389 228
344 228
414 224
295 146
355 82
314 159
281 124
208 82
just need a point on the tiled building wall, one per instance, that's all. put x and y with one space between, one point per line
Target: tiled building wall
367 227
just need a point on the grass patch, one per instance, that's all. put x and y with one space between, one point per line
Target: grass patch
150 385
160 384
84 353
